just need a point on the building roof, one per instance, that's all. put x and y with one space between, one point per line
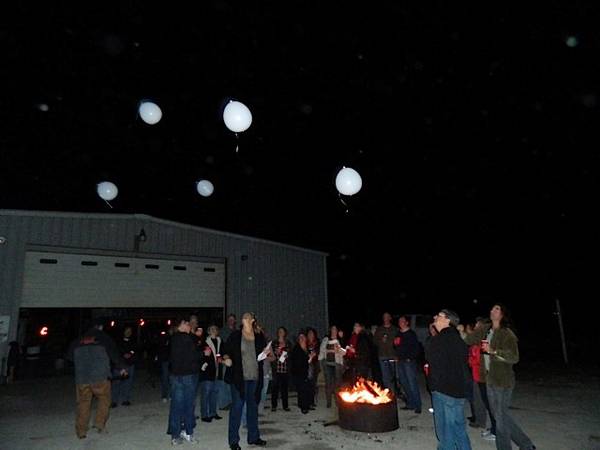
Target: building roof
81 215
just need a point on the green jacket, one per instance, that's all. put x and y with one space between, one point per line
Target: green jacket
505 344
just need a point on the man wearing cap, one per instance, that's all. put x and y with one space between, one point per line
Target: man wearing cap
447 355
92 354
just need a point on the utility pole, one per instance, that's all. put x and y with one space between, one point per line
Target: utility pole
562 331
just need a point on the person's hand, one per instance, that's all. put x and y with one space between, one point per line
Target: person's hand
432 329
485 347
123 373
228 362
207 351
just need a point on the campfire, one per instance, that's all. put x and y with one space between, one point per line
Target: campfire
365 391
367 407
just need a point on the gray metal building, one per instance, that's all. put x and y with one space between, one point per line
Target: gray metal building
79 260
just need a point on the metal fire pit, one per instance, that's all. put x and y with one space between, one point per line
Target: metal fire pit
368 418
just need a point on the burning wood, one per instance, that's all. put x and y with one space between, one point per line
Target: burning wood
365 391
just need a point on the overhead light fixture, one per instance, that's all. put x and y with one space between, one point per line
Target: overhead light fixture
142 235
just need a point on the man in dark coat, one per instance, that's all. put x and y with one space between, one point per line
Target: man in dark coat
447 355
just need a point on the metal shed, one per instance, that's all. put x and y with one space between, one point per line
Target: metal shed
81 260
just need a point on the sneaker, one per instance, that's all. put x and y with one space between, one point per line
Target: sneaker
189 438
490 437
207 419
176 441
286 409
485 433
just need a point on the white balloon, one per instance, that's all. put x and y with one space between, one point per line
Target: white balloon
348 181
237 117
205 188
150 113
107 191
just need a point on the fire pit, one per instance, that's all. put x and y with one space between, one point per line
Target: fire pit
367 407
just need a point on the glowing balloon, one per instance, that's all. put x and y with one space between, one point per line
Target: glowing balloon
107 191
150 113
205 188
348 181
237 117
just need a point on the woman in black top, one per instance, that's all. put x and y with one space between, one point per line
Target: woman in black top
313 345
245 375
280 369
300 360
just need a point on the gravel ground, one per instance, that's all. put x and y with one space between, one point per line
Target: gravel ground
39 414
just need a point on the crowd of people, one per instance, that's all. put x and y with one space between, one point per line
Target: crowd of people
233 368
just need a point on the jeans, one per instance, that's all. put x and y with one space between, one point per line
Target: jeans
506 428
263 397
484 398
388 369
235 415
333 378
121 389
280 385
181 412
164 379
449 420
407 374
208 399
85 393
224 393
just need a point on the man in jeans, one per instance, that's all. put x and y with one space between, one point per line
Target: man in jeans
447 355
185 369
92 354
407 348
384 341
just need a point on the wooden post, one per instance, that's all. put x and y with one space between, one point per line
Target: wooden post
562 332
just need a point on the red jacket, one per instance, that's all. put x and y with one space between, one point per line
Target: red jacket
475 361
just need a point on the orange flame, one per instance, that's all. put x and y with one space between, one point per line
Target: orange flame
365 391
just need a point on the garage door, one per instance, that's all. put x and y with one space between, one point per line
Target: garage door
69 280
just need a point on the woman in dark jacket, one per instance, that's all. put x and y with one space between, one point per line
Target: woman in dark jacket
361 356
313 346
300 360
280 368
243 350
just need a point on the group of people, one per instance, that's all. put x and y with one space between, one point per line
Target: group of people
232 369
491 350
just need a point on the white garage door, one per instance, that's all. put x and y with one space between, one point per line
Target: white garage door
67 280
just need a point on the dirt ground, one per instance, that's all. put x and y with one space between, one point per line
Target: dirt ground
39 414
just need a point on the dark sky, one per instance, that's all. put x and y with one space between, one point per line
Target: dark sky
474 130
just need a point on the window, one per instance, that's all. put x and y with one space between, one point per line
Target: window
209 269
48 261
179 268
121 264
152 266
89 263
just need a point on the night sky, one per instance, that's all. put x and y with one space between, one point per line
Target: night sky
474 130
